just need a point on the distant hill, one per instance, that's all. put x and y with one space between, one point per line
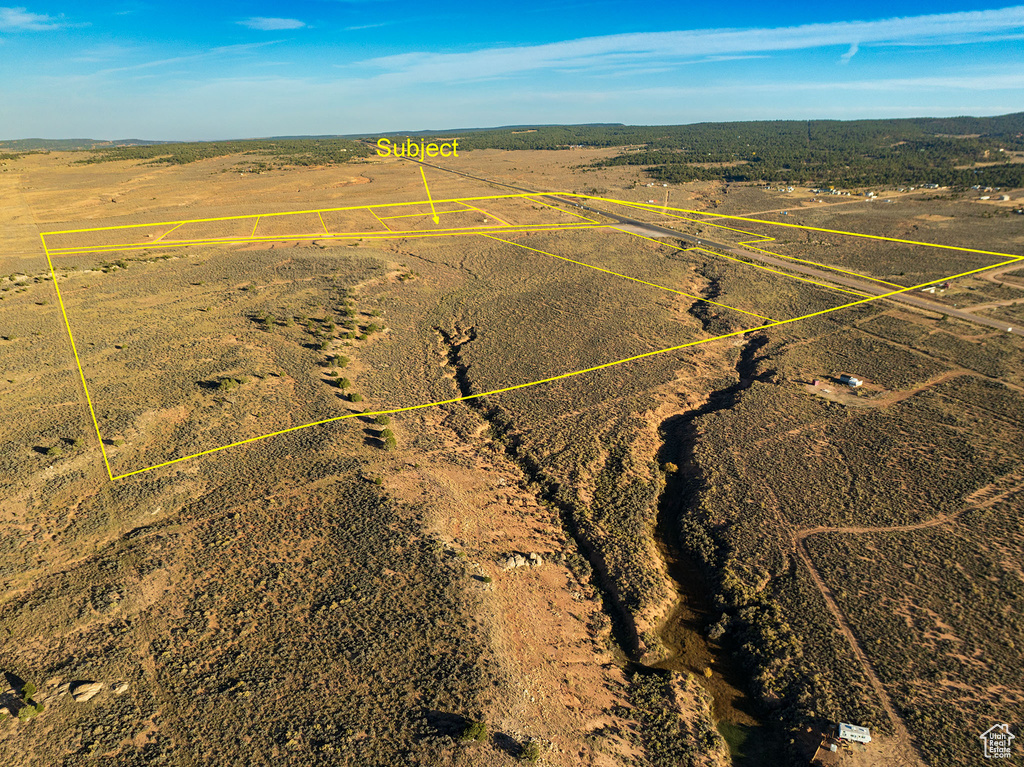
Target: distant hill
70 144
498 129
730 137
949 151
954 151
258 154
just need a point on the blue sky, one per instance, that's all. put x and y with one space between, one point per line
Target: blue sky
196 70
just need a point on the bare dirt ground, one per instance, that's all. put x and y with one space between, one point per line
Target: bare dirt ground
560 678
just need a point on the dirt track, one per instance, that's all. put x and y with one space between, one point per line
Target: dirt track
907 752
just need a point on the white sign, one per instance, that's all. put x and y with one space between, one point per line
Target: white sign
996 741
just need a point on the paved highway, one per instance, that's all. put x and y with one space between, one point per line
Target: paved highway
653 230
864 286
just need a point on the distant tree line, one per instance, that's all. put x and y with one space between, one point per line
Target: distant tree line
942 151
832 153
825 152
284 151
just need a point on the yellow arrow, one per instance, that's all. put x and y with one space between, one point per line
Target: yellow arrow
424 175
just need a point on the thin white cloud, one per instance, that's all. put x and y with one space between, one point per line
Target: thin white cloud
845 58
1005 81
266 24
369 26
20 19
222 50
101 53
663 47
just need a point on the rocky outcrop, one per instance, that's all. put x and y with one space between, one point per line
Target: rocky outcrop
533 559
83 691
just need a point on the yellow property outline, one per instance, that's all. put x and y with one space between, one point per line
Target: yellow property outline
487 232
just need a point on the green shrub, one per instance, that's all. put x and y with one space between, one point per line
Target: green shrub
27 712
344 383
530 752
28 690
355 397
475 731
53 451
382 420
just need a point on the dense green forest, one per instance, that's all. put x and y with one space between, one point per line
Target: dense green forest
827 152
859 153
267 153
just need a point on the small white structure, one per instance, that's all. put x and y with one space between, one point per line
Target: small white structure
852 382
855 733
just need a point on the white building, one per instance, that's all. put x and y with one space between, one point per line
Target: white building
855 733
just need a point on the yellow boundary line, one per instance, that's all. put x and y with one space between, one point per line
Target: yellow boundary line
797 226
419 215
558 377
253 232
563 210
1012 258
627 277
486 213
302 212
764 268
162 236
78 361
389 234
433 210
381 220
320 216
741 261
761 238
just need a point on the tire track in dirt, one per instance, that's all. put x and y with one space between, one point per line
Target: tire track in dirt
907 751
979 499
996 304
994 273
